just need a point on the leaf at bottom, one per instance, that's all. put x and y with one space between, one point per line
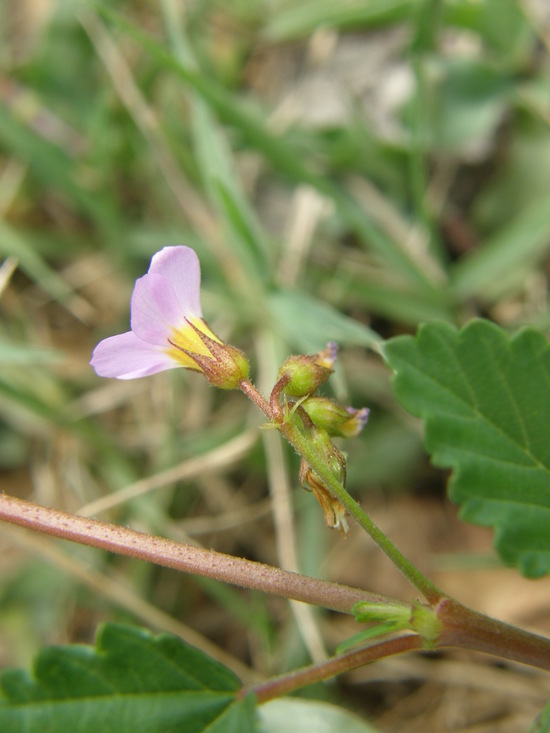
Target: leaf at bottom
130 682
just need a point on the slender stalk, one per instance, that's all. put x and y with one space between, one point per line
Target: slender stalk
289 429
259 400
299 678
461 626
187 558
300 443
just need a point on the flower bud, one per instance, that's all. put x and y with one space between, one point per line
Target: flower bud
335 460
306 372
337 420
224 366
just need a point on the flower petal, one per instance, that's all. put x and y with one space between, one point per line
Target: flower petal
155 309
127 357
180 267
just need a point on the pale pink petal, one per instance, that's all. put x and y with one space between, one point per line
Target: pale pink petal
127 357
155 309
180 266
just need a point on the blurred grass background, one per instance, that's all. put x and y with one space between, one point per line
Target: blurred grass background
345 171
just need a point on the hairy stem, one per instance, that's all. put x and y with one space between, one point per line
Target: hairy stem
300 443
469 629
299 678
259 400
289 429
187 558
461 627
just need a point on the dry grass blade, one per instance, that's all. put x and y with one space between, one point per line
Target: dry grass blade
218 458
146 120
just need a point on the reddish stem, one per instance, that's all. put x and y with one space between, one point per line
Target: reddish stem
275 398
462 627
291 681
469 629
190 559
259 400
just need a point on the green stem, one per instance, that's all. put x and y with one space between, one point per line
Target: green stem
288 425
302 446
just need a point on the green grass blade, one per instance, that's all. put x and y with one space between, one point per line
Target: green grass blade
217 168
31 263
285 156
296 20
523 240
308 323
54 168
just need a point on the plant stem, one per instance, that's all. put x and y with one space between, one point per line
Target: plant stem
299 678
290 430
469 629
300 443
256 396
187 558
462 627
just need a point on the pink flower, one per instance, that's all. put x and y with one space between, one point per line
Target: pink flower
167 328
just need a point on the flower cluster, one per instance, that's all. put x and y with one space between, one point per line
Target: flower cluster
321 419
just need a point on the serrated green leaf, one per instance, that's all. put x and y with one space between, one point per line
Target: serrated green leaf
131 681
485 400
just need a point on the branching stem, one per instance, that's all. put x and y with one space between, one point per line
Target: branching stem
288 426
299 678
461 627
